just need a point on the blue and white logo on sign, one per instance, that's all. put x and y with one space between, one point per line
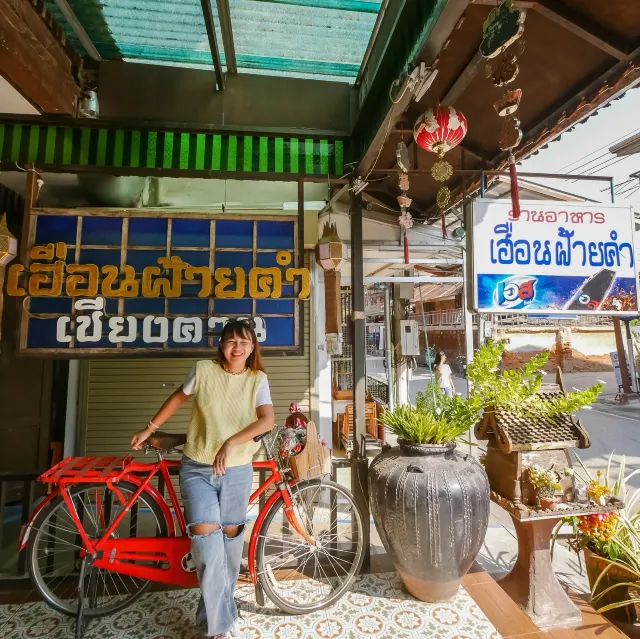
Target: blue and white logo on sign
515 292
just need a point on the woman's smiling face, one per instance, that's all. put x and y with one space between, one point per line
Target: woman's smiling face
237 349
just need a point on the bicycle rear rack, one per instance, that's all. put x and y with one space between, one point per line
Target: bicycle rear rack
86 469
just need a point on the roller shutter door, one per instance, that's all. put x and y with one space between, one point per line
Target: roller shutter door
121 396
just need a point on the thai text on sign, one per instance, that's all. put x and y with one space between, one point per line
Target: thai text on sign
140 282
49 275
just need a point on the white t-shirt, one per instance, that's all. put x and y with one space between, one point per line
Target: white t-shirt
443 376
262 398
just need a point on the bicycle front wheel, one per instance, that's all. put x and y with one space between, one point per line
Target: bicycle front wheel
55 548
297 576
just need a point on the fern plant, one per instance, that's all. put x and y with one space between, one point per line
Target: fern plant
516 390
437 418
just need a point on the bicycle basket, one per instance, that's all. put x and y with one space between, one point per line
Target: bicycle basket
313 460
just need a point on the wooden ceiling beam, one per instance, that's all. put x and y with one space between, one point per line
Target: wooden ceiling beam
78 29
34 61
207 13
463 81
581 27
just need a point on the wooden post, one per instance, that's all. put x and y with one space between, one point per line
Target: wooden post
359 464
622 360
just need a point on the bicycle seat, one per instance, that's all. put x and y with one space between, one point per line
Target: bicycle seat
166 441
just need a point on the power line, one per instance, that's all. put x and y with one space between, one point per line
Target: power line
605 146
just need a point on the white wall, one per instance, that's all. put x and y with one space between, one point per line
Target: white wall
587 342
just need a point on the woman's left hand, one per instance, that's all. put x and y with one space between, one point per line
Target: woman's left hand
220 462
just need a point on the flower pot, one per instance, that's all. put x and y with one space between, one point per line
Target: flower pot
548 504
430 504
615 574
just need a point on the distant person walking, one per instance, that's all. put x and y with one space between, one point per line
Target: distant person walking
444 377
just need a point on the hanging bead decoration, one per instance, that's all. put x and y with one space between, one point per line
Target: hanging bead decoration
439 130
405 220
504 27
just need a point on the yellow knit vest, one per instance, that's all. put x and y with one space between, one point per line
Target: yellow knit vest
223 405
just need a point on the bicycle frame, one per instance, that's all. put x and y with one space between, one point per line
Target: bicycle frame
120 554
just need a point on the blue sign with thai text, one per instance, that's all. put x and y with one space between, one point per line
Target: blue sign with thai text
556 258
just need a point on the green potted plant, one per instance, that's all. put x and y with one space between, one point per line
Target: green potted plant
546 483
516 390
430 501
610 541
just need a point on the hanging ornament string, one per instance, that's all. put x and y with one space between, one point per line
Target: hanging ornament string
504 27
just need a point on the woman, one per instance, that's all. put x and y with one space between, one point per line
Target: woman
444 377
232 406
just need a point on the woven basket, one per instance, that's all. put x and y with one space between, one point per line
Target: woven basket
313 460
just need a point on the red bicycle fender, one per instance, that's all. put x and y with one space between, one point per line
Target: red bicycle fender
26 529
157 497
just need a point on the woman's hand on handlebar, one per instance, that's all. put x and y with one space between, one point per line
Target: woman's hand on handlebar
139 438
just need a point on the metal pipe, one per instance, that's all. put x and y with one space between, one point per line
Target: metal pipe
224 17
550 176
388 346
612 190
71 417
400 260
426 342
207 14
78 29
412 280
482 183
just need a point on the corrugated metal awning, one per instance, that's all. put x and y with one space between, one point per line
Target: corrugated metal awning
322 39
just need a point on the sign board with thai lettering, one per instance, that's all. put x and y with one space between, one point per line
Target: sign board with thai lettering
127 283
557 258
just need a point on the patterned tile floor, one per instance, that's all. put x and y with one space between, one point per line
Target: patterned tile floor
377 607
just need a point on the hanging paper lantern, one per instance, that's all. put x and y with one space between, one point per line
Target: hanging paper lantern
331 254
439 130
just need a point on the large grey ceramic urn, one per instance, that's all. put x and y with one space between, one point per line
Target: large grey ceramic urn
430 505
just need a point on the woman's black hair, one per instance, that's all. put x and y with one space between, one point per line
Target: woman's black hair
438 360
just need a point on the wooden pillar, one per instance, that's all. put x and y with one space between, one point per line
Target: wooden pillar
359 464
622 360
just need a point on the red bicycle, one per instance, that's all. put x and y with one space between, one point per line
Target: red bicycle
105 533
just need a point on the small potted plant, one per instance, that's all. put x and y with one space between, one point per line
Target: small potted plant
598 490
546 482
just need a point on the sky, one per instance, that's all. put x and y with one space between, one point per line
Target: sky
584 150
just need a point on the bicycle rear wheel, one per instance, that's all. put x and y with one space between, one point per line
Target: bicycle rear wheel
55 548
297 576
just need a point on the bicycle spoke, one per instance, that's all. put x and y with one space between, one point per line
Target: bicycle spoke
54 563
300 576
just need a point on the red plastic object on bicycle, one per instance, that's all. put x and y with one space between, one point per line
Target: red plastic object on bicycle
86 469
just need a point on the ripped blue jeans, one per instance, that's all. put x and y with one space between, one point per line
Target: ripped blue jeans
222 501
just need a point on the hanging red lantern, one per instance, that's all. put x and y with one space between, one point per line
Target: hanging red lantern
439 130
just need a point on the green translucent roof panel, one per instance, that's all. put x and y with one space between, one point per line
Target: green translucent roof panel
307 38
